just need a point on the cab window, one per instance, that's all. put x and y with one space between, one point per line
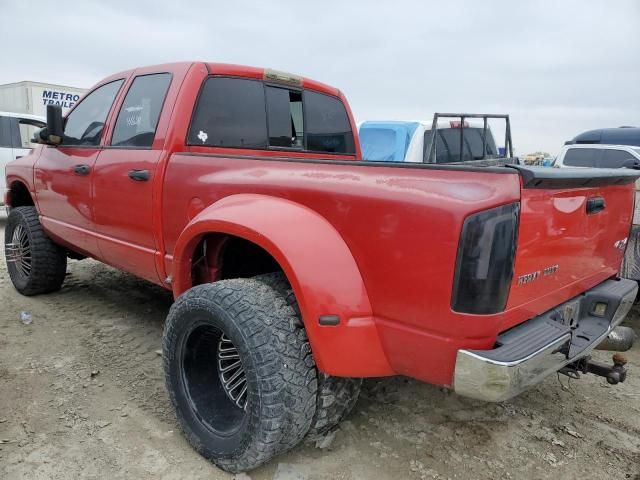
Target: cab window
284 118
85 123
246 113
230 113
140 111
328 126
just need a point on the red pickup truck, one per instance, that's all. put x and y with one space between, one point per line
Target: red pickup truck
298 268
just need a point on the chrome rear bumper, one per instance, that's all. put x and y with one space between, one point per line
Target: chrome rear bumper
531 351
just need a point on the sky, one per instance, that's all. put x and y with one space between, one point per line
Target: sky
557 67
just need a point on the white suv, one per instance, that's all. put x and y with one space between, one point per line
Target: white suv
598 156
16 131
610 156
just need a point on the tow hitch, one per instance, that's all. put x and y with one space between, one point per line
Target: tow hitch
617 373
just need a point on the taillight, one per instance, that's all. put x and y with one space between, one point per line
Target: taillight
484 266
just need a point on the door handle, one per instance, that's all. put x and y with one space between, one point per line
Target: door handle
139 175
595 205
82 169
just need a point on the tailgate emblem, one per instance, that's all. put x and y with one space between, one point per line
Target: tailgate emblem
530 277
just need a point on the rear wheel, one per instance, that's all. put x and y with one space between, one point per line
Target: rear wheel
35 264
337 396
239 372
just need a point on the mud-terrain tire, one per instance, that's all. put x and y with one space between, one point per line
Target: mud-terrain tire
35 264
337 396
277 364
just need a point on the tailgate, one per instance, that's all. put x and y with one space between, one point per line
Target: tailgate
573 230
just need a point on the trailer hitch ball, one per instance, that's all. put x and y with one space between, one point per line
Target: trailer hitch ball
614 374
618 372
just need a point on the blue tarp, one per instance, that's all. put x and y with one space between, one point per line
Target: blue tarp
386 141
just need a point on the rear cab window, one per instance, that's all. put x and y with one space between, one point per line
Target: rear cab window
328 127
246 113
448 145
284 118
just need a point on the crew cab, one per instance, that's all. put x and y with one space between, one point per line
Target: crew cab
298 268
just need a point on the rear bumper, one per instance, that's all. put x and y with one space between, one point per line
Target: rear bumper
531 351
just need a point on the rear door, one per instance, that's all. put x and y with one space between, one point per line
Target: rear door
63 173
125 174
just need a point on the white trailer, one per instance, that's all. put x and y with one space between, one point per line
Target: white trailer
33 97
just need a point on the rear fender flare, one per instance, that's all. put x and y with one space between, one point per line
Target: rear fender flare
318 264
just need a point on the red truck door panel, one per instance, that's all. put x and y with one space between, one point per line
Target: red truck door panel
124 179
63 174
123 211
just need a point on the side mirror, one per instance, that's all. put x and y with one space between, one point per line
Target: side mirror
631 163
54 131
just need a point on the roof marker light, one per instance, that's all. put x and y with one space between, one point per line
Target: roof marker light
282 77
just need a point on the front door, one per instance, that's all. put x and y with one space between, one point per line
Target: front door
125 177
63 173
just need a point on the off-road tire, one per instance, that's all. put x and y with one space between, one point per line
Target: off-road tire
337 396
48 261
277 361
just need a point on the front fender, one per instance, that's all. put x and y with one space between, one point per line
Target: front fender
318 264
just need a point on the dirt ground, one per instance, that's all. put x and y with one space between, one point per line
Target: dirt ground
82 396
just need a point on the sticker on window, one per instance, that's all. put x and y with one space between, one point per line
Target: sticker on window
203 136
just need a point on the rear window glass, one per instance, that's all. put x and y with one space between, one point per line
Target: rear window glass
284 111
230 113
328 127
473 138
582 157
448 145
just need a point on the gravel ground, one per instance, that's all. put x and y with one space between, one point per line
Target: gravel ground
82 396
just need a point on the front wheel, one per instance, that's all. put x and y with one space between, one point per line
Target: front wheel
35 264
239 372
